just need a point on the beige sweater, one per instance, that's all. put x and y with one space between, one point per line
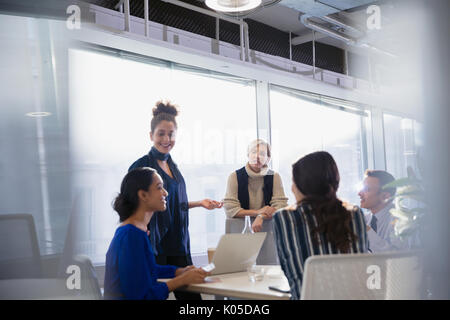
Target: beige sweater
255 191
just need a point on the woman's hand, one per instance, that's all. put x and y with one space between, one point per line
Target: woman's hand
258 224
186 276
267 212
270 212
180 271
211 204
291 207
193 275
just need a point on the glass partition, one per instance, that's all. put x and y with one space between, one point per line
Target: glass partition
403 140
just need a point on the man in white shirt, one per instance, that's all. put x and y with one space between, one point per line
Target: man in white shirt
380 223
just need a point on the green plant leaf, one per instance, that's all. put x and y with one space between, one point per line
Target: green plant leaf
417 197
401 214
402 182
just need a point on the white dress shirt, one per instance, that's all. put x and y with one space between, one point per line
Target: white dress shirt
384 239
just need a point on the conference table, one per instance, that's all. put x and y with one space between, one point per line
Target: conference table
238 285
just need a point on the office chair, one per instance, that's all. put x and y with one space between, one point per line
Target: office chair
19 250
21 268
60 288
90 288
381 276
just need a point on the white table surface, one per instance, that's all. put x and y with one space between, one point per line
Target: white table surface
238 285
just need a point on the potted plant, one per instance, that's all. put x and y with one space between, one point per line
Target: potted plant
410 208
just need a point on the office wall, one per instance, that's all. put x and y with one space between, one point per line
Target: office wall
34 166
436 71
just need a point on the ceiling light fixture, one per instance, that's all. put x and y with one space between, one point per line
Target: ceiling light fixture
232 5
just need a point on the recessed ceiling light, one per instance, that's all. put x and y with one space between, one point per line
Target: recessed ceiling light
232 5
38 114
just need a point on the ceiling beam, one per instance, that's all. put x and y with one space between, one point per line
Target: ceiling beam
307 38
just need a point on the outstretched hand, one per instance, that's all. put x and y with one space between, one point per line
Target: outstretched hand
211 204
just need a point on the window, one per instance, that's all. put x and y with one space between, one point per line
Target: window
403 139
110 112
303 123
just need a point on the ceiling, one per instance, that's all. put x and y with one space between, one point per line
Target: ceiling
285 16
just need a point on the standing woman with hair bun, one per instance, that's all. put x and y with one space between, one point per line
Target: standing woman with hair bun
320 223
169 229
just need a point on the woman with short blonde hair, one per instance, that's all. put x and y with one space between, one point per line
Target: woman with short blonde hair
255 190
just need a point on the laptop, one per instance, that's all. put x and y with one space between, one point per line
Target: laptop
236 251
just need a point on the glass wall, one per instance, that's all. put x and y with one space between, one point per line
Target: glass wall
34 161
403 140
302 123
110 113
65 167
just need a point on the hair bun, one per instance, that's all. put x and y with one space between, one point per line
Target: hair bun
166 107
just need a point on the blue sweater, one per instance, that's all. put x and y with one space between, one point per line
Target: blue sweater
131 271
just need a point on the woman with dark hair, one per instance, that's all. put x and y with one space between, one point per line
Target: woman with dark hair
320 223
169 228
131 271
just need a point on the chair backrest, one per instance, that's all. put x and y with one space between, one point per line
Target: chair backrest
89 285
79 284
268 254
19 250
381 276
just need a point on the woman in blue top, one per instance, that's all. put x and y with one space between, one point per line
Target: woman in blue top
131 270
169 228
320 223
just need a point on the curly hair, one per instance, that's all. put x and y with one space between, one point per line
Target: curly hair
163 111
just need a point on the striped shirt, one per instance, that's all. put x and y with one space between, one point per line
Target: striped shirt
295 242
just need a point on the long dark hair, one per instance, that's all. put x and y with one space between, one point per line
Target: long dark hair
127 201
316 176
